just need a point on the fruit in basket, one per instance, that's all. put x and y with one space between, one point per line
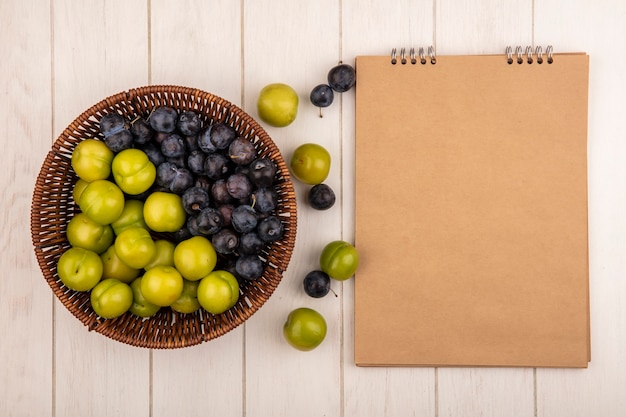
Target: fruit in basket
111 298
217 166
264 200
249 267
277 104
241 151
164 254
222 135
119 141
164 212
225 241
310 163
84 233
305 329
195 199
204 140
262 172
226 211
239 186
79 269
133 172
341 78
188 123
153 151
195 258
190 181
135 247
219 193
140 306
132 216
114 267
195 162
163 119
250 244
54 202
116 132
270 229
208 222
141 130
188 300
173 146
339 259
91 160
173 178
78 189
112 123
218 291
102 201
162 285
244 218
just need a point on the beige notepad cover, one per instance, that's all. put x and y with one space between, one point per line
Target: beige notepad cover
471 212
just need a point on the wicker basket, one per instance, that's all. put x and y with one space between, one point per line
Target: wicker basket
52 207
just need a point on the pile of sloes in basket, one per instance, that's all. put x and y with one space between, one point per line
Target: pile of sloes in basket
227 190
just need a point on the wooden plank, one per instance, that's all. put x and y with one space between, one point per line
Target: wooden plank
55 367
378 391
25 312
100 48
482 26
197 44
599 31
493 26
485 392
198 380
296 43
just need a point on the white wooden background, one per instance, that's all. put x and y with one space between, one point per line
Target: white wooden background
58 57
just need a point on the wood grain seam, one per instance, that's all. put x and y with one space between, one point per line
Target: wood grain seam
149 41
53 373
342 364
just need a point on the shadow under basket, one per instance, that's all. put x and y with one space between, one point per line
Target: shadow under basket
52 207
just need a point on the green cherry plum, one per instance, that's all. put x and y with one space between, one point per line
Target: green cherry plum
79 269
114 267
135 247
278 104
132 216
218 291
188 300
102 201
339 259
140 306
82 232
111 298
304 329
133 172
195 258
78 189
164 212
164 254
310 163
91 160
162 285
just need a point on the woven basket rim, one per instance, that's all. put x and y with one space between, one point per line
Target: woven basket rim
52 206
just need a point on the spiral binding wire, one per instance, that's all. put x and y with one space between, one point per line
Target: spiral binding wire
414 58
520 55
528 52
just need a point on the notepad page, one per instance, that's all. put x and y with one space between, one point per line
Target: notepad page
471 212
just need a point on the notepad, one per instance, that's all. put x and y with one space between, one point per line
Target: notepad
471 211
